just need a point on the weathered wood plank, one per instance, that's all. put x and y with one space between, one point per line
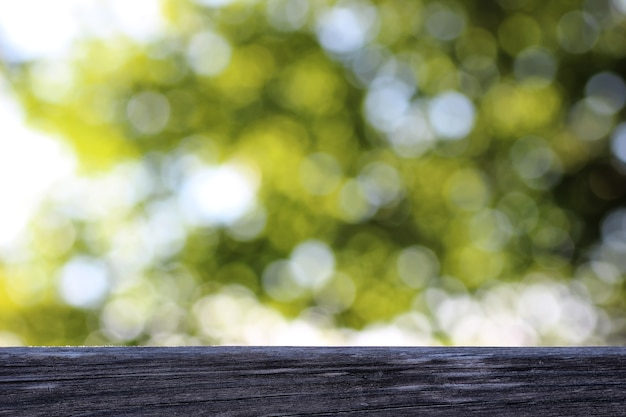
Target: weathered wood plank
280 381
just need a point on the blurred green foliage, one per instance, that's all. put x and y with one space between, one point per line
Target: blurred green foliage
354 162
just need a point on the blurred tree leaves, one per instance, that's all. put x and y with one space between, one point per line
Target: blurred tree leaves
389 156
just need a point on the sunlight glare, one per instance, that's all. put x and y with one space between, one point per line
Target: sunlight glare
30 163
31 29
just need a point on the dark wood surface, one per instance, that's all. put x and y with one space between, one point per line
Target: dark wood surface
282 381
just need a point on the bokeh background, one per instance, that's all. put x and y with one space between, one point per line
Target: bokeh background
312 172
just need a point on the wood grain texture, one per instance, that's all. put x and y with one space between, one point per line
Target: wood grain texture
283 381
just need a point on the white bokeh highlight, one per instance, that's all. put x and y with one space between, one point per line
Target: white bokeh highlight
618 142
83 281
346 29
214 196
313 263
451 115
208 53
